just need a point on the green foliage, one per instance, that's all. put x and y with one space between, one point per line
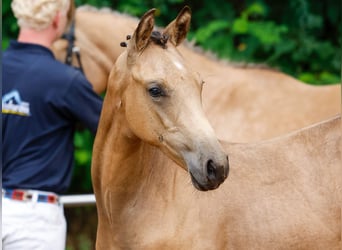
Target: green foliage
83 142
9 24
300 37
295 47
101 3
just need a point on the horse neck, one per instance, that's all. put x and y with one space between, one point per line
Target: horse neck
98 50
125 168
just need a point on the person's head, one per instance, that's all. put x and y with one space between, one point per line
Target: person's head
40 14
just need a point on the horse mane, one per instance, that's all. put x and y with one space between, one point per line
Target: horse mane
214 57
161 40
107 10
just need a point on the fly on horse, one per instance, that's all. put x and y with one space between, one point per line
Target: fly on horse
153 138
242 104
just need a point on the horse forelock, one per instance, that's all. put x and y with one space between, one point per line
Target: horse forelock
158 38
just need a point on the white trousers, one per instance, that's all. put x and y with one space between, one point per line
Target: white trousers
32 225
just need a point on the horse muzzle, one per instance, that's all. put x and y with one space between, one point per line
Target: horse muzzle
211 176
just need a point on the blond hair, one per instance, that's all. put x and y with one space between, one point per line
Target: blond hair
37 14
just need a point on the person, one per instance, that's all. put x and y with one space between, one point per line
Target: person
42 102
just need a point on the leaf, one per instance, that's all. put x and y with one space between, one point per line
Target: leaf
307 77
255 9
82 157
240 26
327 77
283 47
267 32
206 32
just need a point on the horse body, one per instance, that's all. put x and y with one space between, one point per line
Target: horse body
242 104
265 104
284 193
281 194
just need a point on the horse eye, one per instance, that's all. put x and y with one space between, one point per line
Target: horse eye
156 92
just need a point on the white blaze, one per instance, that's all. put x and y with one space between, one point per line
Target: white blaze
178 64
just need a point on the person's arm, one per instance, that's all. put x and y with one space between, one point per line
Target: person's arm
83 103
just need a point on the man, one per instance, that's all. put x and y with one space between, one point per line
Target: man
42 100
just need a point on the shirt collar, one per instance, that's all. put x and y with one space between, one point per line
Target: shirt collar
30 47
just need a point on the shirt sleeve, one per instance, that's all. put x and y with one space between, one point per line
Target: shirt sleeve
83 103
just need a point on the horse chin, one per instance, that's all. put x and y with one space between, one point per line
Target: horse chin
201 187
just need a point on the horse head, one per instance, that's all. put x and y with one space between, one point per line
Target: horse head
160 98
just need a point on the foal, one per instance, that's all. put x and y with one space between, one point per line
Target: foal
152 123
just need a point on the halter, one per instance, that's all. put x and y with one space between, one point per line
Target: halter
72 49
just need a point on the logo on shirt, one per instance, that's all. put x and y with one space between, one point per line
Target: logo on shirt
12 104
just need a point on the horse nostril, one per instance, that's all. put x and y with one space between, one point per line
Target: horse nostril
211 170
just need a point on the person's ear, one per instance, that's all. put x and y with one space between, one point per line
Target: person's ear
55 20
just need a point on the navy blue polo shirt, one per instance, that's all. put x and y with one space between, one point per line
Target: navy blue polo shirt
42 100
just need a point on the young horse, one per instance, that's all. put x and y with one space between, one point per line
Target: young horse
281 194
242 104
152 106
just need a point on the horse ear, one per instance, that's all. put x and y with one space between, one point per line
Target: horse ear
178 28
143 32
